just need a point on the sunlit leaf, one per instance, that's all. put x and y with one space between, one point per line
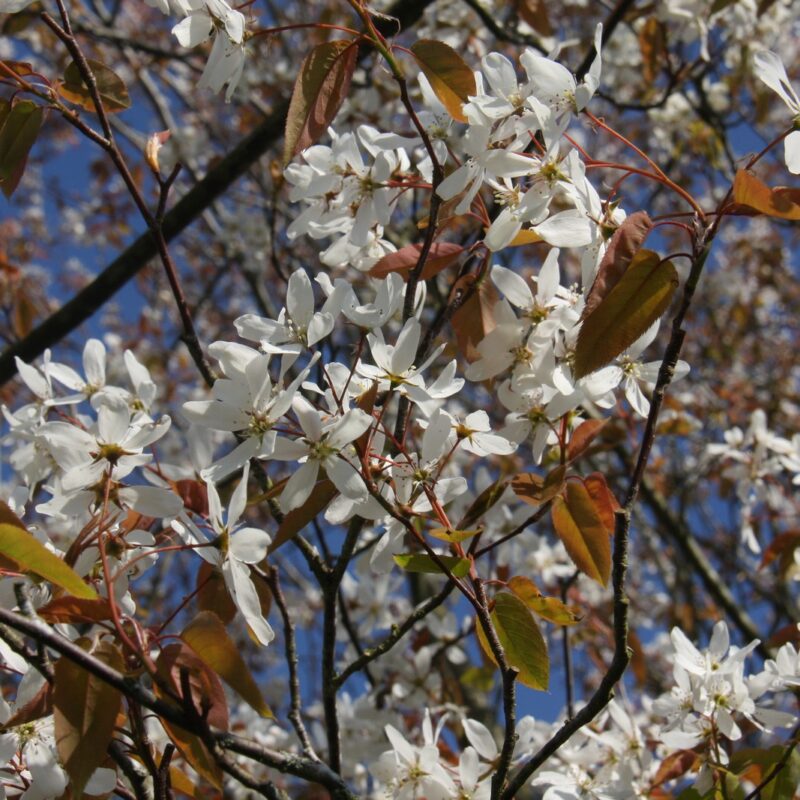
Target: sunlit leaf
581 528
521 640
752 193
604 501
524 588
319 91
422 562
111 88
32 556
652 46
448 74
450 535
642 295
85 711
537 490
554 610
583 436
206 635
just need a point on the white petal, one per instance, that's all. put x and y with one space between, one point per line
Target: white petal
481 739
513 286
249 545
791 145
243 593
299 487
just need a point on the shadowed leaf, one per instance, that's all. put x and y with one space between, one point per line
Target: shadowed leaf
85 711
20 124
422 562
111 88
206 635
536 490
583 436
440 257
297 519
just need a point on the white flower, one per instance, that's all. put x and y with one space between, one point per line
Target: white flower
321 447
233 549
769 68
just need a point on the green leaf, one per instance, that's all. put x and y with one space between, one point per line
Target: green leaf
111 88
206 635
422 562
453 536
640 297
85 711
31 556
448 74
581 528
550 608
20 127
320 88
521 639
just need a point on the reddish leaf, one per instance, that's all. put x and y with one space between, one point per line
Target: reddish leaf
583 436
212 593
631 307
75 610
206 635
627 240
450 77
674 766
534 12
474 318
40 705
319 91
208 699
85 712
652 45
534 489
782 547
194 495
441 256
296 520
582 529
750 192
604 500
111 88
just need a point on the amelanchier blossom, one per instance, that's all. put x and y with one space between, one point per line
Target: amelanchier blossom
769 68
232 549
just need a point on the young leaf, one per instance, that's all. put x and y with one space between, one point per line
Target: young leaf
642 295
583 531
534 489
422 562
583 436
297 519
213 594
474 318
208 698
534 12
627 240
448 74
652 45
604 501
450 535
111 88
320 88
206 635
85 711
554 610
749 191
31 556
440 257
20 127
524 588
75 610
521 640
